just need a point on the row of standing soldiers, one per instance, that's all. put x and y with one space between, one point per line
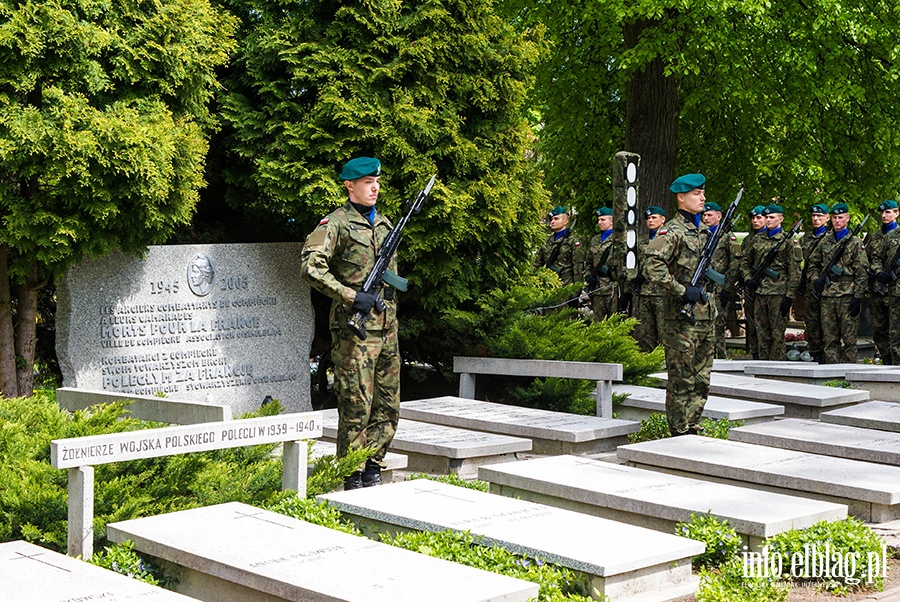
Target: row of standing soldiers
768 272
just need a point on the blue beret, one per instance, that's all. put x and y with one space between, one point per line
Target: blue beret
770 209
558 210
688 182
654 210
888 204
711 207
840 208
361 167
758 210
819 208
603 211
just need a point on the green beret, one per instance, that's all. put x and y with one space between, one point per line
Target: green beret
758 210
603 211
711 206
840 208
770 209
654 210
819 208
888 204
361 167
688 182
558 210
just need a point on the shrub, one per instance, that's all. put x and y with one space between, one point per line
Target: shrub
728 583
718 429
452 479
654 427
722 542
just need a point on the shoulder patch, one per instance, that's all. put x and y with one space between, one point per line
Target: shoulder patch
577 243
323 221
661 232
733 237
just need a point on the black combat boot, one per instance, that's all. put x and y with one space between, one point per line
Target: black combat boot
371 476
354 481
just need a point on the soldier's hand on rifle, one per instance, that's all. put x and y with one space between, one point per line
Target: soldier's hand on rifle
692 294
751 285
819 285
883 277
724 298
785 306
364 302
638 281
584 299
855 305
591 281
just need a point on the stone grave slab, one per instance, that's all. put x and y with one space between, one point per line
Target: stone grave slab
643 401
825 439
225 324
550 432
237 552
30 573
871 491
877 415
393 460
807 373
799 400
653 499
883 385
738 366
624 562
444 449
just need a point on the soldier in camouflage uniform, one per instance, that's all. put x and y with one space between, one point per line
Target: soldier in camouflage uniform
841 300
726 264
671 259
879 304
562 251
887 248
757 228
600 274
337 257
812 311
651 295
774 292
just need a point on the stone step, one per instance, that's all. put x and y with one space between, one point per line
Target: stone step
815 437
807 373
30 573
870 491
653 499
644 401
550 432
883 385
234 552
624 562
799 400
438 449
878 415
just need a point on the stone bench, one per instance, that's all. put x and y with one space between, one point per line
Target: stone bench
603 374
644 401
443 449
883 385
235 552
550 432
393 460
146 407
807 373
825 439
624 562
870 491
34 574
653 499
877 415
799 400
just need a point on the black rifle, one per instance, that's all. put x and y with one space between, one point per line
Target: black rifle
804 275
764 267
881 289
831 267
703 269
380 273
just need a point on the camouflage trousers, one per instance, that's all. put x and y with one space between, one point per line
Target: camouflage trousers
894 316
770 327
812 316
752 342
648 311
367 386
880 318
721 318
689 359
839 336
605 301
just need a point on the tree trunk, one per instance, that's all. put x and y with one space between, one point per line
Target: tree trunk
653 105
8 382
26 331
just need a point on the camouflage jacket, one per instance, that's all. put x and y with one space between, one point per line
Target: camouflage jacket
726 263
671 259
338 256
880 258
853 263
569 260
808 244
784 271
610 274
649 288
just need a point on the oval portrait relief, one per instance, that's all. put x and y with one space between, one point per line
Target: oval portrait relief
200 274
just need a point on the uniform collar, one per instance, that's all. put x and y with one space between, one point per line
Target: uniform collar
691 218
838 235
605 234
774 231
820 230
560 234
888 227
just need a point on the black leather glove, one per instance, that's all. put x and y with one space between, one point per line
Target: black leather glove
692 294
724 298
819 285
591 281
364 302
751 285
855 305
785 306
639 281
883 277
